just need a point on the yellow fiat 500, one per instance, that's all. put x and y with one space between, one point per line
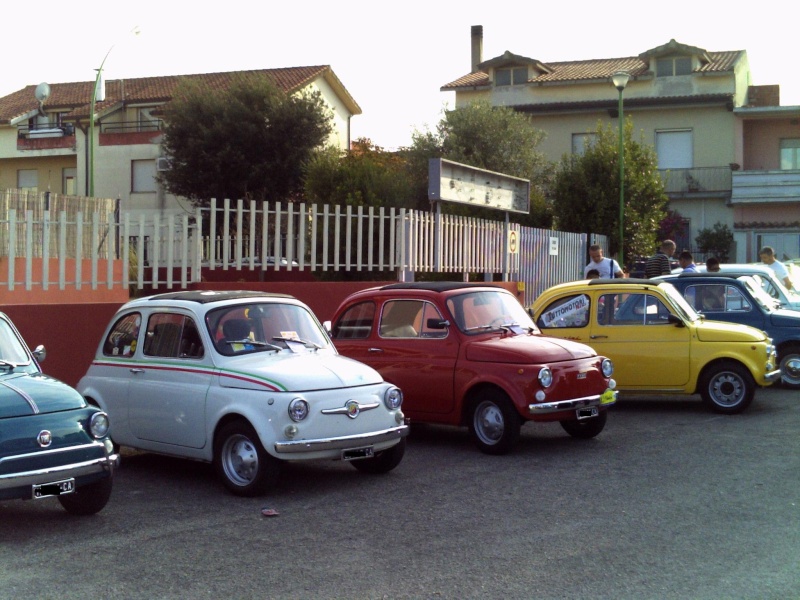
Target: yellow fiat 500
658 342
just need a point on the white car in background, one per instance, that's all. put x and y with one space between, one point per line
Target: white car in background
245 380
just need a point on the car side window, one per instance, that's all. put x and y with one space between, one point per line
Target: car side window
401 319
355 323
572 311
123 337
432 324
634 309
172 335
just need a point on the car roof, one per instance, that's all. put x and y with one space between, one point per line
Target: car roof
728 276
207 296
439 286
622 282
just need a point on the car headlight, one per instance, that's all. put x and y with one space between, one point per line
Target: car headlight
99 424
298 409
545 377
607 368
393 398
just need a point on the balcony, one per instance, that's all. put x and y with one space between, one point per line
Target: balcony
757 187
699 182
46 137
127 133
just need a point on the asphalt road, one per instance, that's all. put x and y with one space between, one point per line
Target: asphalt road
670 501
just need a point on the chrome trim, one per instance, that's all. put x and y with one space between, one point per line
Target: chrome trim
547 408
27 397
345 410
89 467
341 443
94 444
773 376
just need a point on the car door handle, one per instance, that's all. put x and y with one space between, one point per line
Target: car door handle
374 349
597 337
134 371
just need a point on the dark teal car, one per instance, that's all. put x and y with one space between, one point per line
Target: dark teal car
52 443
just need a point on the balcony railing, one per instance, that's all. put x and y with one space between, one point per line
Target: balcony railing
131 126
46 130
700 180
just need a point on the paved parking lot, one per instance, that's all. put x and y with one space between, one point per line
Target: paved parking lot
670 501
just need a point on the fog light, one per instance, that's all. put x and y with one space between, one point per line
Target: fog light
290 431
612 384
539 396
399 417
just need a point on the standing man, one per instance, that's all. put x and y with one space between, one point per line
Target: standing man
658 264
607 267
686 261
767 255
712 265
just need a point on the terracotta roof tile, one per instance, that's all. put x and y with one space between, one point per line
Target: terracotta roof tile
75 98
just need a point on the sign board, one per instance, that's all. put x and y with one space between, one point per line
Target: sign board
553 246
453 182
513 242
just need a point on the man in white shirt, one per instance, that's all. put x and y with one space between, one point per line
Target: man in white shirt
767 255
607 267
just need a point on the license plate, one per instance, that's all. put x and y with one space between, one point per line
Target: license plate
56 488
587 413
356 453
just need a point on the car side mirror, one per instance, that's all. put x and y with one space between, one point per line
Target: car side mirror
40 353
437 323
326 325
675 320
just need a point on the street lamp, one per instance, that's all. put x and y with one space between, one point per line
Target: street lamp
620 80
95 92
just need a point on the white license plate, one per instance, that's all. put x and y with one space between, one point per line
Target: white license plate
56 488
587 413
356 453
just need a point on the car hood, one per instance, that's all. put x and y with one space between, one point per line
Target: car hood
784 317
527 349
24 394
717 331
296 373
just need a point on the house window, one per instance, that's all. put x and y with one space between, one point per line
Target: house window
68 183
28 180
515 76
790 154
669 67
675 149
581 141
143 176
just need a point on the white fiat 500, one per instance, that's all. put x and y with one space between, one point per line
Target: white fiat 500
245 380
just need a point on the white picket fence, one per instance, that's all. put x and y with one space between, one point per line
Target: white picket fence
170 252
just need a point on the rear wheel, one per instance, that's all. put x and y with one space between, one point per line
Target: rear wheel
790 368
240 460
494 423
383 461
727 387
586 429
87 499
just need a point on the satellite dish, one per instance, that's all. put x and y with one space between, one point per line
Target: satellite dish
42 92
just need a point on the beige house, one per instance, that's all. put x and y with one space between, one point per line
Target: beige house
728 152
44 133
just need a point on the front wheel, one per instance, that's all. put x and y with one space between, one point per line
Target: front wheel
586 429
494 423
383 461
728 388
790 369
241 462
88 499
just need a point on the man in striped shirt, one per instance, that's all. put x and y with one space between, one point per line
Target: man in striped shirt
658 264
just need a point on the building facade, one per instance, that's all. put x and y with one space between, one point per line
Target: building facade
727 150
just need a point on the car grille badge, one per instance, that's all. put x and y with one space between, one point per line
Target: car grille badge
45 438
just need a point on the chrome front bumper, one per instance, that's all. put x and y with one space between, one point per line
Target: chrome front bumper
342 443
547 408
773 376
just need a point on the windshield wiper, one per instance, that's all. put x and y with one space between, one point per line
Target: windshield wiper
4 363
257 343
306 343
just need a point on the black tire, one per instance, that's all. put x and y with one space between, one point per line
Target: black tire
88 499
241 462
383 461
727 388
790 377
586 429
494 423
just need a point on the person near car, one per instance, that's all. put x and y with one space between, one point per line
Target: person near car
767 255
712 265
686 260
607 267
658 264
593 274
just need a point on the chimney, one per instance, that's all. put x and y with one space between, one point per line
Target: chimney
477 47
764 95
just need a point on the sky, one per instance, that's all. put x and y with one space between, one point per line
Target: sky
393 57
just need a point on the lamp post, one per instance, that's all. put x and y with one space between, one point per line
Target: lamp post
620 80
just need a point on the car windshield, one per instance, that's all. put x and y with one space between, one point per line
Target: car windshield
481 311
265 327
12 352
766 301
680 304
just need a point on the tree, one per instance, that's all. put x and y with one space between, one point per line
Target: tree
716 241
586 192
250 140
498 139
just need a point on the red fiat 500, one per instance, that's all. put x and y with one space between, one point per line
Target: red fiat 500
470 355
